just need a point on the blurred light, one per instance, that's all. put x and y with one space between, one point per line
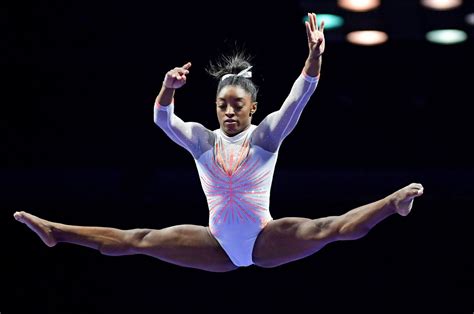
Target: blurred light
358 5
441 4
446 36
330 20
367 38
470 19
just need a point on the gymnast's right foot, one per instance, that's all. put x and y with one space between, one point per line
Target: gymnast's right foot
403 198
41 227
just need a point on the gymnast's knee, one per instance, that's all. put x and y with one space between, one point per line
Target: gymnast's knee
138 239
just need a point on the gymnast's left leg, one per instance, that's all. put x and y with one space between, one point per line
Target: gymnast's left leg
289 239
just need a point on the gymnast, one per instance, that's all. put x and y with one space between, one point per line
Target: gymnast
235 164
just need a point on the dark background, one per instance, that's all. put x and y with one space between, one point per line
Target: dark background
80 147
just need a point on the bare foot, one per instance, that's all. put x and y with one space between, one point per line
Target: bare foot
403 199
41 227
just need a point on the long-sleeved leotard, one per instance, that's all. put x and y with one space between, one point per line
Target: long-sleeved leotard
236 172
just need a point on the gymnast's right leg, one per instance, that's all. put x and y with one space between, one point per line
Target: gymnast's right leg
184 245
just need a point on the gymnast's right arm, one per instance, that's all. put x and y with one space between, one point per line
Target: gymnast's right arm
190 135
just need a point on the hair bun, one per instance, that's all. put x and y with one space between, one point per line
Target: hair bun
225 65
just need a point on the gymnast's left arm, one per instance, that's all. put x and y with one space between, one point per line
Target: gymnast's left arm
271 132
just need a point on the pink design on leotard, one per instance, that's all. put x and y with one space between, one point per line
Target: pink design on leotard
236 188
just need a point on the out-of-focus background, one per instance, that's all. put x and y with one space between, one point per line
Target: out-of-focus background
79 146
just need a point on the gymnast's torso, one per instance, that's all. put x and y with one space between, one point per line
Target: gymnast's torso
236 177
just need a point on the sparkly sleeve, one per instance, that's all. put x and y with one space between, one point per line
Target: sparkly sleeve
271 132
186 134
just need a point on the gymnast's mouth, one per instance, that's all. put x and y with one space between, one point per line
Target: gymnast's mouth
229 121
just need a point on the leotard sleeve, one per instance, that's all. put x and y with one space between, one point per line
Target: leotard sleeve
271 132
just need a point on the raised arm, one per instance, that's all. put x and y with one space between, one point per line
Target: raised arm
193 136
276 126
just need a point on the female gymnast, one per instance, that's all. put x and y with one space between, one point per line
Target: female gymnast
235 164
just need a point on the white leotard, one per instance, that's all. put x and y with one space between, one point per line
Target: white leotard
236 172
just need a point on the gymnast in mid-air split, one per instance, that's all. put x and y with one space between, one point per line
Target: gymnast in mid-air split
235 164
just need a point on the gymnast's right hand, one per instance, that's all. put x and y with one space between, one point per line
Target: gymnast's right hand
176 78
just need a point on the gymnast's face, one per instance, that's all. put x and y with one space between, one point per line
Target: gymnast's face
234 109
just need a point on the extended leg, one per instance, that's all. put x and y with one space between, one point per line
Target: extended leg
184 245
288 239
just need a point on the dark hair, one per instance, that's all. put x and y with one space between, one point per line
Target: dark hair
233 64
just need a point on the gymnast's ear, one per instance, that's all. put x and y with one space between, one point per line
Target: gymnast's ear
253 109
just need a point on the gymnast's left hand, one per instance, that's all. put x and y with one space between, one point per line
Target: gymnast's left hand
315 34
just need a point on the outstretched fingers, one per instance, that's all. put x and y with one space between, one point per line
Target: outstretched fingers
312 18
308 29
315 21
311 26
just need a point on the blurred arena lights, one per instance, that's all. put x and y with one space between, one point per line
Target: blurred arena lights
446 36
367 37
470 19
441 5
359 5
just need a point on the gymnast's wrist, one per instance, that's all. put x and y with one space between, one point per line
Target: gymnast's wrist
167 87
313 59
